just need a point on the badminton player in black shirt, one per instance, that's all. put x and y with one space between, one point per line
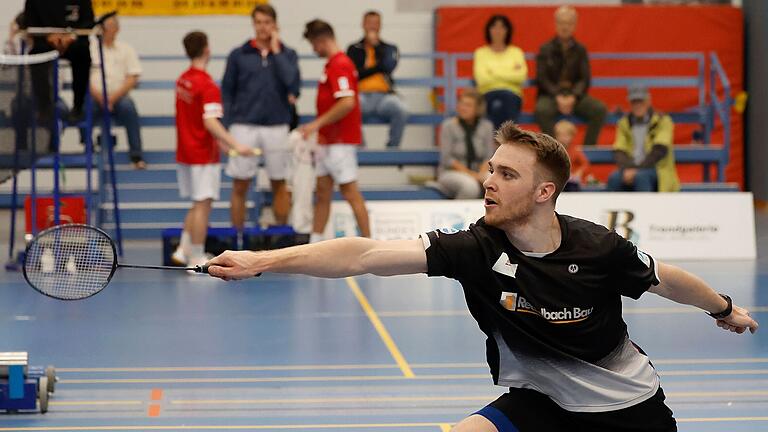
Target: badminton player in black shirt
546 290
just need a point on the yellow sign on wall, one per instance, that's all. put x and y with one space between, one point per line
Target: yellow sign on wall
175 7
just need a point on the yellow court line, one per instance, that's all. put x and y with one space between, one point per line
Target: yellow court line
679 309
720 419
333 400
371 366
714 372
379 326
369 399
745 393
344 378
271 379
711 361
231 368
228 427
423 398
442 426
95 402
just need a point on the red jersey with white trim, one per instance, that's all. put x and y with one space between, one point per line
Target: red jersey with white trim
197 98
339 80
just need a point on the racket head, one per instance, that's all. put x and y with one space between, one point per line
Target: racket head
70 261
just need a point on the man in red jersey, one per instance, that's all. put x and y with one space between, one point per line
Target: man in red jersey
200 134
339 130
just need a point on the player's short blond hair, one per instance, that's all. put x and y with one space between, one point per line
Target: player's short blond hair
550 154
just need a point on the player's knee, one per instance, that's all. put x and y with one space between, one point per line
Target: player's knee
323 193
350 192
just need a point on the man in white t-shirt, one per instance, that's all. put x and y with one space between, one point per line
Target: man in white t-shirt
122 70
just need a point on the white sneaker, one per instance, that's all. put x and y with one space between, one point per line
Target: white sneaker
178 258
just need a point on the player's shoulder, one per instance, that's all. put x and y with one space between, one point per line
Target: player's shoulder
124 46
588 235
341 60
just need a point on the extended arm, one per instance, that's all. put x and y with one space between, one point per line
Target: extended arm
682 287
331 259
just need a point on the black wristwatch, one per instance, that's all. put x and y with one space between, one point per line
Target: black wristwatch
726 312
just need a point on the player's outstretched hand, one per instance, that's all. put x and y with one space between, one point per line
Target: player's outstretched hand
738 321
235 265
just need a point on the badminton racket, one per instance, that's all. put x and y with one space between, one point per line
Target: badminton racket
76 261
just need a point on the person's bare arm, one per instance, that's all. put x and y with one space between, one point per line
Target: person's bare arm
341 108
214 126
683 287
331 259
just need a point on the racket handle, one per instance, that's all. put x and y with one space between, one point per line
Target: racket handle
204 269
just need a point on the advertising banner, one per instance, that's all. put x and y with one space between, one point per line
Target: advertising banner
668 226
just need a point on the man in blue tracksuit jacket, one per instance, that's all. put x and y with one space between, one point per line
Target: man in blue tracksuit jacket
261 83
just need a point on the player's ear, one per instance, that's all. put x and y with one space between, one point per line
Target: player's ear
545 191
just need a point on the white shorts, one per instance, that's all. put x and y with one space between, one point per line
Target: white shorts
199 182
337 160
273 142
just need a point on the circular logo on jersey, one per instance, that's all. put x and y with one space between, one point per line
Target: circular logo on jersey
573 268
448 230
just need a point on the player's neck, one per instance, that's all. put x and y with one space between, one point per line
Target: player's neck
199 63
538 234
262 44
333 49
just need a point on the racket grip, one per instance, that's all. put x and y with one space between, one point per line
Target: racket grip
204 269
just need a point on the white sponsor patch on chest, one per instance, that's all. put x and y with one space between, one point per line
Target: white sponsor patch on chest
505 267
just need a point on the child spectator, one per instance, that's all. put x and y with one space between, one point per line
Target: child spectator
565 132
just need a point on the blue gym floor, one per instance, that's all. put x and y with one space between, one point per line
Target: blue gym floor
169 351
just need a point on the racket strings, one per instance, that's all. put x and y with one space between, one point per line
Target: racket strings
70 263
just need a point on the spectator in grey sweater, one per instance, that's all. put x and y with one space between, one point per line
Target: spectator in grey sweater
466 145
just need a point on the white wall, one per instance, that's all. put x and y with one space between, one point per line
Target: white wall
412 31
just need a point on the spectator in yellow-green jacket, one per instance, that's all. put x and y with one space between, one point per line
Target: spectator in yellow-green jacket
643 148
500 71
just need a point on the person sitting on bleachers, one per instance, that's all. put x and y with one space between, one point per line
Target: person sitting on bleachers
466 145
500 71
74 14
565 132
562 76
375 61
643 148
122 70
